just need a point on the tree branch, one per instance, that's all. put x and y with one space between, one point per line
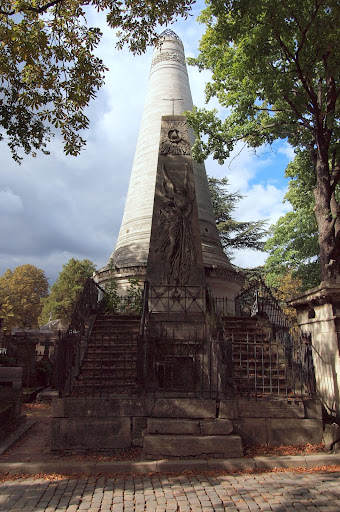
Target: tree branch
298 114
38 10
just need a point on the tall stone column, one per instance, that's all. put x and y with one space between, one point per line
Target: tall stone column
168 94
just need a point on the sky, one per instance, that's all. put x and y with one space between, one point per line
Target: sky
57 207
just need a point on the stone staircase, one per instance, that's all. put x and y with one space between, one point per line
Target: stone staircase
259 364
110 362
189 428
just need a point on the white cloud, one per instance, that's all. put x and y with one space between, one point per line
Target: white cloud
262 202
10 202
287 150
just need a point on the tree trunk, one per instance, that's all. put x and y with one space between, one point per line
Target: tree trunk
327 220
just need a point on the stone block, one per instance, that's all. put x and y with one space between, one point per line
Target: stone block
125 468
90 434
293 432
216 427
11 376
230 465
313 409
181 427
331 434
324 459
184 408
167 446
58 410
139 425
297 461
270 408
252 431
99 408
228 409
178 466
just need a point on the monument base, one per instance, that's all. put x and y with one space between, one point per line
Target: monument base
93 424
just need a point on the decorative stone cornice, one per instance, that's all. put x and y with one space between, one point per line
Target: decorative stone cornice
169 55
325 293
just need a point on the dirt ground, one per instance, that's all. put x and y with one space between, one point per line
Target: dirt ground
34 446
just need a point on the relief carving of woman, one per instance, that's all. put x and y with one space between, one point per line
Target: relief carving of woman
175 239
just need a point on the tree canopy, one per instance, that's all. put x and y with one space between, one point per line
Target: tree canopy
293 242
233 234
65 291
48 68
21 291
275 66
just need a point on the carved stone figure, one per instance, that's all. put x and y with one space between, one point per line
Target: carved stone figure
174 235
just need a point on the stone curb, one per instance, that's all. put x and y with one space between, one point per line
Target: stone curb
169 466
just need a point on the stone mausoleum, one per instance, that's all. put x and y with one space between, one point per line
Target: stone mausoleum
191 367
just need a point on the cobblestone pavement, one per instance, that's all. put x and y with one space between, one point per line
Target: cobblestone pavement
280 492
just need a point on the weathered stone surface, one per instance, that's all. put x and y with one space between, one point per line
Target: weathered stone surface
228 409
167 446
11 375
139 425
313 409
184 408
175 260
229 465
58 410
166 466
252 431
11 386
331 434
90 434
164 426
96 407
216 427
293 432
285 462
268 408
279 431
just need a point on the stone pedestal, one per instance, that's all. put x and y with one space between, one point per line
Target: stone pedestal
318 314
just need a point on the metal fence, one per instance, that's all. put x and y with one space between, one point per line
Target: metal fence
206 361
228 367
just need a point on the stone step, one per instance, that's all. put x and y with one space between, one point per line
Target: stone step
104 386
109 359
158 446
114 330
189 426
112 348
108 371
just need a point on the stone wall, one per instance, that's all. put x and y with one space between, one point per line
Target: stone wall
119 424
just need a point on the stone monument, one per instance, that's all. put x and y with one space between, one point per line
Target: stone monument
168 95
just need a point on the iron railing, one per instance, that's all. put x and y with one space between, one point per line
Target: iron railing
176 299
259 300
228 367
203 360
71 345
